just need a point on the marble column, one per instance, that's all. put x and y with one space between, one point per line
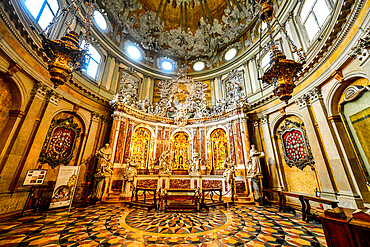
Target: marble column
273 167
114 134
340 169
324 171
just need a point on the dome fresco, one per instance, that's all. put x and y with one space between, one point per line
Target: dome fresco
181 29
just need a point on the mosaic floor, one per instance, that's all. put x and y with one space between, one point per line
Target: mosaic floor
114 225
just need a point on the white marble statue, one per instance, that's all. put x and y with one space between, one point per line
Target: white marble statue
165 163
104 164
194 164
229 173
254 164
129 175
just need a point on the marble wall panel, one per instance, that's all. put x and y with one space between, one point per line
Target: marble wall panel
159 144
180 183
120 142
203 146
239 145
208 184
147 183
128 142
232 145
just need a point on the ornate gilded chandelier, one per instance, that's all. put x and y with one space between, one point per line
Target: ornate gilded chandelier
281 72
65 54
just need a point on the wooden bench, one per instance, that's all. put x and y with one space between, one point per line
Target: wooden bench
152 204
305 203
179 200
207 203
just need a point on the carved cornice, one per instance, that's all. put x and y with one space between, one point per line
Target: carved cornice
53 97
95 117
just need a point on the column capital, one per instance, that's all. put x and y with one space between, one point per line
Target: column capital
264 119
256 123
53 97
117 116
302 101
315 94
95 117
39 89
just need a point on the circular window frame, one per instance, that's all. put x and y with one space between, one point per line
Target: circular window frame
164 59
106 21
226 51
127 45
199 61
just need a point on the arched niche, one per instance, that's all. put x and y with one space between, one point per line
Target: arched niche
219 148
354 111
10 108
294 153
140 147
180 150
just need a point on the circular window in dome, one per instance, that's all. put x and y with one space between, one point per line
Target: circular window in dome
100 20
199 66
230 54
134 52
167 65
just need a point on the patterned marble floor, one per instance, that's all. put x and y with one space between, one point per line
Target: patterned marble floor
114 225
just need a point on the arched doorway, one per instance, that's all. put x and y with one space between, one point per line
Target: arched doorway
140 147
180 150
219 148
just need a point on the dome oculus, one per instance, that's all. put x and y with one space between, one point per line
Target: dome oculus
199 66
230 54
100 21
167 65
134 52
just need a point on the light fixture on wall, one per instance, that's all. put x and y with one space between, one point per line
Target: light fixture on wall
281 72
65 55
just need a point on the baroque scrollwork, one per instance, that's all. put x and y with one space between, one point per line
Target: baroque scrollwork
206 40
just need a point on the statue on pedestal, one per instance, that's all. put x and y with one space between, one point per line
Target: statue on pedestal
254 165
229 176
165 163
129 175
104 171
151 166
194 165
254 172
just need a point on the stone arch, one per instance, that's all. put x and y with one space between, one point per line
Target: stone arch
11 102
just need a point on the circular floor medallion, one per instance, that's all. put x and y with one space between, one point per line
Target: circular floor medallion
175 223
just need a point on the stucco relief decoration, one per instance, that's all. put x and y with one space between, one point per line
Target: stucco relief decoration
60 142
177 42
297 151
140 147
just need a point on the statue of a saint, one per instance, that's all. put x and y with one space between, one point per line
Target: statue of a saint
194 164
165 163
104 164
130 171
254 167
229 173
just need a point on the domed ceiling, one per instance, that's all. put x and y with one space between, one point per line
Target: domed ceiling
181 29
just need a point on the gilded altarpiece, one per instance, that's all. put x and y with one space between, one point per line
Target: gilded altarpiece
180 150
140 147
219 147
